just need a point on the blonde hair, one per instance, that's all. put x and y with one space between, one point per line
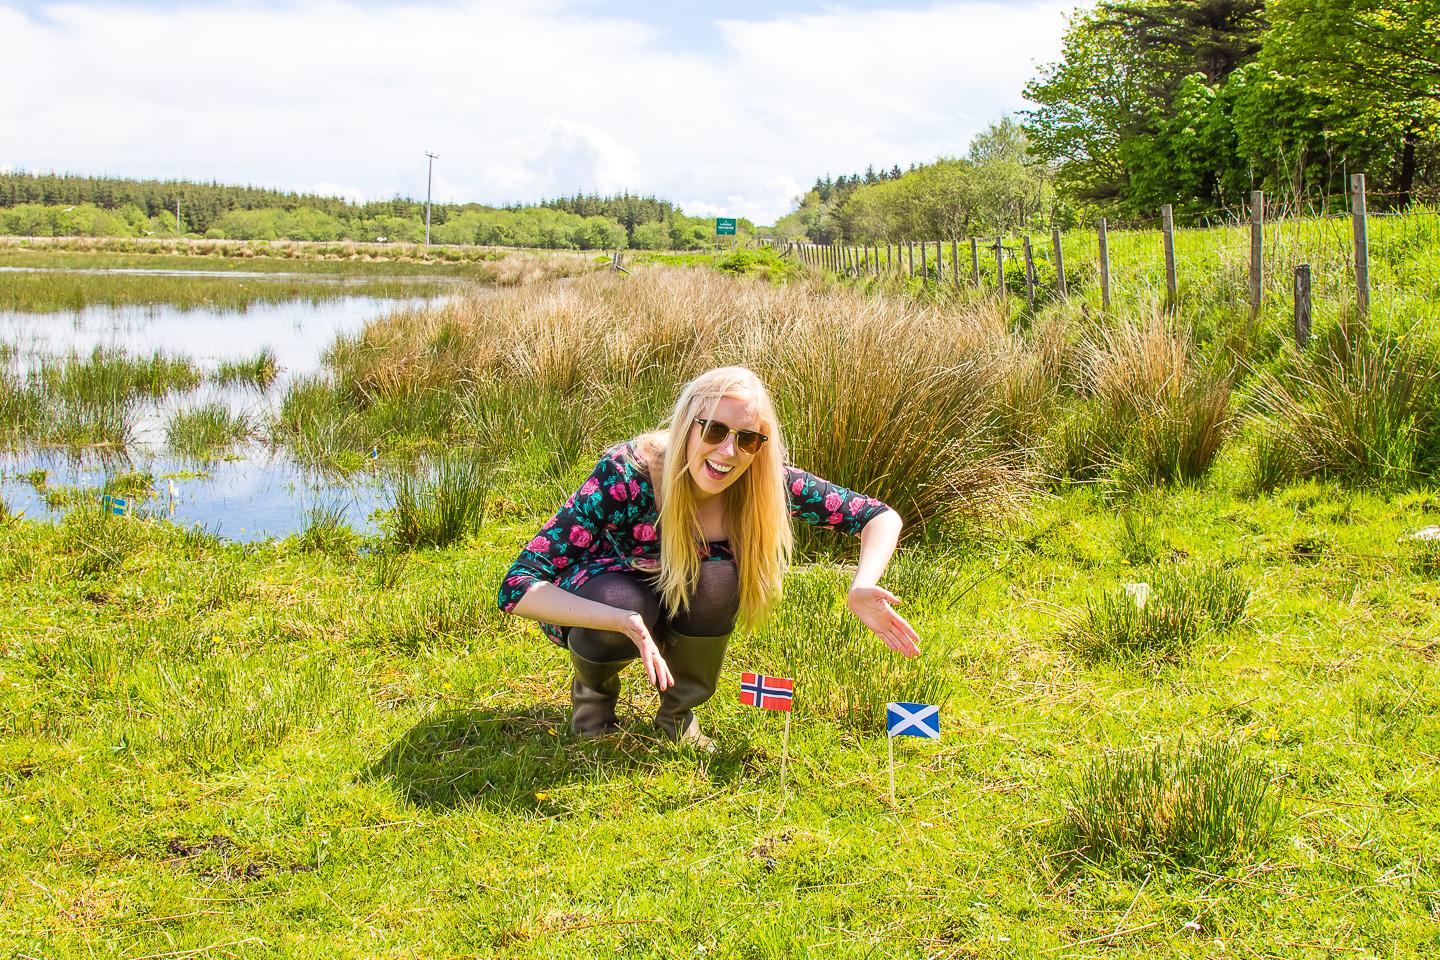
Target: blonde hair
757 511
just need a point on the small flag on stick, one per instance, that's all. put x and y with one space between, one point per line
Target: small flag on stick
118 506
771 693
908 720
768 693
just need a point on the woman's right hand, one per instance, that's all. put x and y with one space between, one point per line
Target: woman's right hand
633 626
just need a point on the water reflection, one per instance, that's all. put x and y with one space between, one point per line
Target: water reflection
258 492
261 493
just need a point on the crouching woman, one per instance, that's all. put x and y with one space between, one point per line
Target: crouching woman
674 537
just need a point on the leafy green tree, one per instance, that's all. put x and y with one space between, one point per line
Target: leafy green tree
1370 70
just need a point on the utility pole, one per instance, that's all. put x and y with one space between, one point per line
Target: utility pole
177 213
429 175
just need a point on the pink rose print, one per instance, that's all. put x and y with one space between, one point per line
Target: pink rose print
560 563
833 501
855 504
798 487
514 581
618 491
644 532
580 579
589 487
634 489
580 536
835 518
538 545
548 524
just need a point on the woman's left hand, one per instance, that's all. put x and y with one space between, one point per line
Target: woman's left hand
875 608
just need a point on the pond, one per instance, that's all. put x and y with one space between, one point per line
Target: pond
257 491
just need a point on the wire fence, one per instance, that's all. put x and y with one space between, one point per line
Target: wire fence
1268 259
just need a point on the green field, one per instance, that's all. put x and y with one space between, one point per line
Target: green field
337 746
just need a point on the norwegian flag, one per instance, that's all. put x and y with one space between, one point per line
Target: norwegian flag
768 693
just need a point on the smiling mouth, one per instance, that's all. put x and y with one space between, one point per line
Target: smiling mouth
718 470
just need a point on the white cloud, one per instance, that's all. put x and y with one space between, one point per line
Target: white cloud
520 100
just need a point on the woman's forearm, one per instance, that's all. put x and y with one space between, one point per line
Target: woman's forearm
877 544
548 603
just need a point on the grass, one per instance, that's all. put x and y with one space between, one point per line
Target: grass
285 256
1208 805
221 735
440 506
206 430
258 371
1165 622
345 752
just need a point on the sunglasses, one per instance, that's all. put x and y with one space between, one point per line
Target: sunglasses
714 433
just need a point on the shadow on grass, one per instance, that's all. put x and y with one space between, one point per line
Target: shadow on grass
502 761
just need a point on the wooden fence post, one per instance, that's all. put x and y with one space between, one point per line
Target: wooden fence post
924 267
1029 274
1000 267
1362 245
1104 264
1059 263
1302 305
939 264
975 261
1257 250
910 255
955 263
1167 227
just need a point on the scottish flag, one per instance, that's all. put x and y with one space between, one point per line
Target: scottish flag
912 720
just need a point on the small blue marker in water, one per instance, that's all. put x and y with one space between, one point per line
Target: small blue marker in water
115 505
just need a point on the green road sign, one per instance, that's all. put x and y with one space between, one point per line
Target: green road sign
724 226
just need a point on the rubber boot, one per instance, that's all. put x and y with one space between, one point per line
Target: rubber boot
695 663
593 693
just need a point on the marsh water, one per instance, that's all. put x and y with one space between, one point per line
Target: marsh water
255 491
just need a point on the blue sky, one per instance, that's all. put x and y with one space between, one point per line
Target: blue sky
724 108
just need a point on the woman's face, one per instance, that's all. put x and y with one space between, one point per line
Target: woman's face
714 467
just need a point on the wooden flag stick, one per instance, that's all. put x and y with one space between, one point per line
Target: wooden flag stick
784 750
890 749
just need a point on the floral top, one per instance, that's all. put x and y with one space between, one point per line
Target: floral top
609 525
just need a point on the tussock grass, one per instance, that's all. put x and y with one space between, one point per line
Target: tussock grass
1156 412
443 504
257 371
207 429
326 532
1207 805
1184 605
1361 407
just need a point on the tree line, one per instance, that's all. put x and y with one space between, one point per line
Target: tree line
69 205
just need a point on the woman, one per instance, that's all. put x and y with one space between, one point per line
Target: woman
674 536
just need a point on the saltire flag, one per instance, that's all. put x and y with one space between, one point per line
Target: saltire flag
115 505
912 720
767 693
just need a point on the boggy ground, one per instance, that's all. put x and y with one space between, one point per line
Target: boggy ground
275 750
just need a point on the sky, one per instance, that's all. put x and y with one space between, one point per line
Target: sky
724 108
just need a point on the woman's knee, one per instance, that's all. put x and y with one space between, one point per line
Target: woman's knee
624 592
715 603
